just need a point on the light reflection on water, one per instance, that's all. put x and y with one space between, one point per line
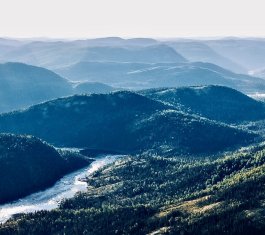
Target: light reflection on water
48 199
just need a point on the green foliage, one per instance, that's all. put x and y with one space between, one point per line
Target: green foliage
123 122
144 194
27 165
214 102
148 193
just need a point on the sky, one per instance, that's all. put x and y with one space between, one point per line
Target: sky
131 18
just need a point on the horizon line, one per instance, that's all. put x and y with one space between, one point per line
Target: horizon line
51 38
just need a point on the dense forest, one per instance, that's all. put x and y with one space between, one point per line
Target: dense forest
28 164
176 177
189 168
154 194
213 102
156 136
125 122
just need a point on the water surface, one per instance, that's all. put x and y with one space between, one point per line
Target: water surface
49 199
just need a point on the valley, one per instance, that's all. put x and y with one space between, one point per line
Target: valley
50 198
132 136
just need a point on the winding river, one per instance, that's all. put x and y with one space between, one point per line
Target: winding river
49 199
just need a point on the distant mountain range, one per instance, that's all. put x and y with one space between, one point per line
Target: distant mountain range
196 51
24 85
249 53
146 75
241 55
146 63
54 55
151 54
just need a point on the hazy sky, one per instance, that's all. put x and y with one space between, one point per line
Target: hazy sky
131 18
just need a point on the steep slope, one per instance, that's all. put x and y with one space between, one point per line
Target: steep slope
154 75
123 122
27 165
23 85
214 102
156 195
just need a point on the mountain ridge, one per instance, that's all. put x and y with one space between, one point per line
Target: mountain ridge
136 124
213 102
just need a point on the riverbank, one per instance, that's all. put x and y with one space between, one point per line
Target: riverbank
50 198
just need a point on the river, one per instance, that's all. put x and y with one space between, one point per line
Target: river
49 199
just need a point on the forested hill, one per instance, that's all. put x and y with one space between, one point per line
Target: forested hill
157 195
28 164
92 87
125 122
23 85
214 102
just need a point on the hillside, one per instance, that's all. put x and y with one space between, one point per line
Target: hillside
57 54
160 64
107 72
122 122
248 52
199 51
150 54
156 195
28 164
23 85
92 87
155 75
213 102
